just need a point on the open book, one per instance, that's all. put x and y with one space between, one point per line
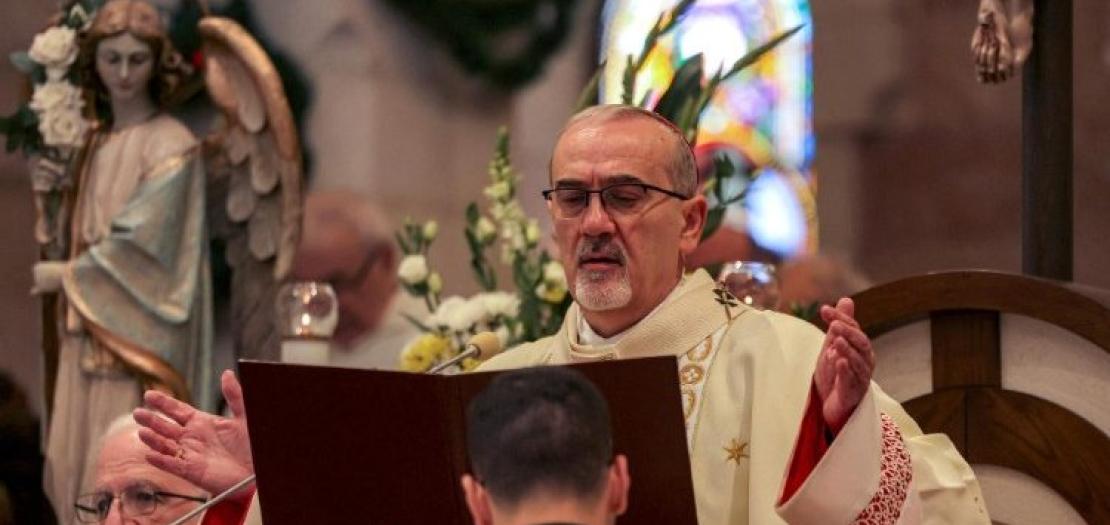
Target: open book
338 445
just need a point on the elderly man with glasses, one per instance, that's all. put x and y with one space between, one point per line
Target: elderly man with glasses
782 421
127 489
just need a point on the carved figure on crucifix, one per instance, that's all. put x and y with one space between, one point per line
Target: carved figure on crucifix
1002 40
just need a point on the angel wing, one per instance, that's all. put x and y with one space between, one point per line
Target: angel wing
254 170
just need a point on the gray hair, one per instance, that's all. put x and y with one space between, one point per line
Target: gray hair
328 208
681 168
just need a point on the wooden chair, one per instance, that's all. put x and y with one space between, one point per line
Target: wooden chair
1013 359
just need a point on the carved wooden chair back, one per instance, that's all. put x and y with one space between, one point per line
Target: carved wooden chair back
1003 350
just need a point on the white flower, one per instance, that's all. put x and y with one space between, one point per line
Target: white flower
506 212
55 48
54 95
457 314
504 335
413 269
498 191
484 230
431 228
62 127
499 303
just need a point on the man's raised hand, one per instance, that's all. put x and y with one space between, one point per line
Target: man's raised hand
845 365
210 451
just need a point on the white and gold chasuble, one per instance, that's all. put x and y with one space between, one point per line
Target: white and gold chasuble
745 377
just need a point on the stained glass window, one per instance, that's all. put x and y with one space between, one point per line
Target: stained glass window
762 117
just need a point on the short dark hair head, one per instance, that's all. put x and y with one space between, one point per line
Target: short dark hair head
539 429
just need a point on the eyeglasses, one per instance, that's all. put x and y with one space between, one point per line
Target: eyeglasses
139 500
622 198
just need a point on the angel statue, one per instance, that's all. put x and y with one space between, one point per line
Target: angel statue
132 292
1003 39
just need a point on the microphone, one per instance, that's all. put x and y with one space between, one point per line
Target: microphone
482 346
208 504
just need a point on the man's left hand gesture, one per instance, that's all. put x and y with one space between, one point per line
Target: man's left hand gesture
845 365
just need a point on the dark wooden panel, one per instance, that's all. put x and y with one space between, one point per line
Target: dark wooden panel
1046 145
966 349
1045 441
942 412
897 303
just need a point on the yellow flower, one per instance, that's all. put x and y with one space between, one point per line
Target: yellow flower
469 364
551 294
423 352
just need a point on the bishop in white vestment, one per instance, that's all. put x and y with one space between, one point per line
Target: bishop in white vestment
783 422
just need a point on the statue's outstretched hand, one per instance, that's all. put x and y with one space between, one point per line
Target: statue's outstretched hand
845 365
210 451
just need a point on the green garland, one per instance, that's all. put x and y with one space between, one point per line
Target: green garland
506 42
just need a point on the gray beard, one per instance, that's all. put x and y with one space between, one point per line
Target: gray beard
594 292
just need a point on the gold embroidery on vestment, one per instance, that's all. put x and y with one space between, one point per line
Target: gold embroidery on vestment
736 449
691 374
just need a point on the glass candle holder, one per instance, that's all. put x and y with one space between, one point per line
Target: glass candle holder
756 284
307 313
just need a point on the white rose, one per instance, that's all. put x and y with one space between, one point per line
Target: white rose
55 48
55 95
413 269
62 127
484 230
500 303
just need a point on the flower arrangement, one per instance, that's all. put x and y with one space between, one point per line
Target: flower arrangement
534 310
537 306
52 123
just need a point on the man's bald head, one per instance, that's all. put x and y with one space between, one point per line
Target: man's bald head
681 168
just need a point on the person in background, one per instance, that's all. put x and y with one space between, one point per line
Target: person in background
541 449
347 242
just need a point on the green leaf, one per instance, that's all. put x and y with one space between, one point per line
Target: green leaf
401 242
628 81
415 322
590 95
472 214
752 56
712 221
22 61
685 85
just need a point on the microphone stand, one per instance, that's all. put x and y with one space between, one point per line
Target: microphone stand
210 503
471 351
